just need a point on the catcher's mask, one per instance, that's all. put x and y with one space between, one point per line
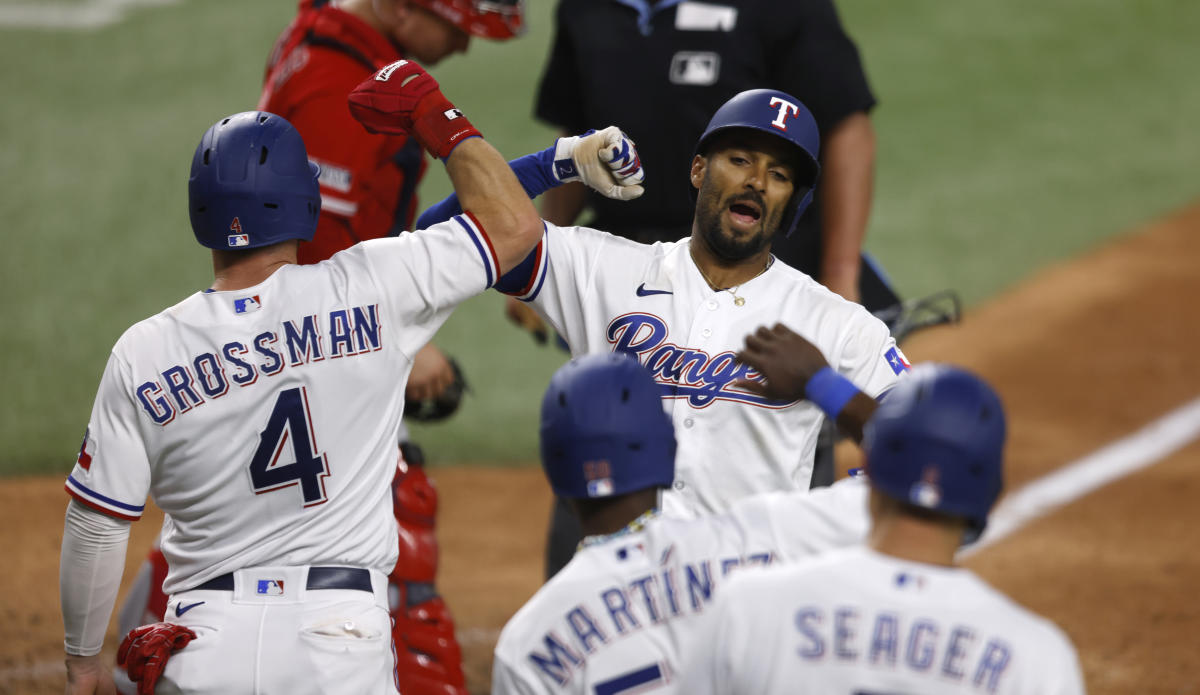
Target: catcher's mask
251 184
604 431
781 115
937 442
489 19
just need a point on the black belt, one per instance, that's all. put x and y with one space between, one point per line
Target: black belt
355 578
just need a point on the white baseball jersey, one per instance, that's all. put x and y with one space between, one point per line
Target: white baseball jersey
264 422
619 615
857 621
604 293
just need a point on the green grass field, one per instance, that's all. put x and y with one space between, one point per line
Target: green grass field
1011 135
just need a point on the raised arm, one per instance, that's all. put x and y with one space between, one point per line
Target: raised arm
402 98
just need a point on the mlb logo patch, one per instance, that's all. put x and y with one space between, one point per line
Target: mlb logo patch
270 587
235 240
245 305
452 114
598 475
700 68
897 361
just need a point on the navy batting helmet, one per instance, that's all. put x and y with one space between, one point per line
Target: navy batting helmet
252 184
604 431
782 115
937 442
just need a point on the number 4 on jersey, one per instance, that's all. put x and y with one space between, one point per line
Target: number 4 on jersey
290 422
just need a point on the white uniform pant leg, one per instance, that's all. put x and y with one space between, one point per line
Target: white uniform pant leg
330 641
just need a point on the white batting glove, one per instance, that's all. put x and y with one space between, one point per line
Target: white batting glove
605 161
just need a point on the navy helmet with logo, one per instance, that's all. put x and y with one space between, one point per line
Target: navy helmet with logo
937 442
781 115
604 431
251 184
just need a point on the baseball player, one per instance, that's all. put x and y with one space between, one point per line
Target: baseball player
684 307
368 183
897 616
616 618
240 410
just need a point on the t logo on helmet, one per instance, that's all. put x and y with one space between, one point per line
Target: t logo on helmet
786 108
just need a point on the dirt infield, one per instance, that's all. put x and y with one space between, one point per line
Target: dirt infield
1083 354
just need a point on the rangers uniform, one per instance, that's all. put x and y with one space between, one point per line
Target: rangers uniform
254 419
621 613
858 621
604 293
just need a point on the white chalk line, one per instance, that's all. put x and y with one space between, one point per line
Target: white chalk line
1149 445
75 16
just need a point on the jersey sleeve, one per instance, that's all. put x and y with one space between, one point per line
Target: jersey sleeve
425 274
803 523
816 61
112 471
559 276
869 356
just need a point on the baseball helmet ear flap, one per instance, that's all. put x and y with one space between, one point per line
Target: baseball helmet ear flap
603 430
783 116
937 442
251 184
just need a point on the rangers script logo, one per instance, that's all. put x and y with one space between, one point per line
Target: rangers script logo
684 372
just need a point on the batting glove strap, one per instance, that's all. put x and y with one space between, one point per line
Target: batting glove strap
440 127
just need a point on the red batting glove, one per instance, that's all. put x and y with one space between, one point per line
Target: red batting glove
145 650
403 99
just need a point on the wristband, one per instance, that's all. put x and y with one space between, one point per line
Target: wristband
830 391
439 126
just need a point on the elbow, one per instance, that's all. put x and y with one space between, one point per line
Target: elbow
526 224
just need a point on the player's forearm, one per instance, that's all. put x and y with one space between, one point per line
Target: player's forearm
847 183
93 558
487 187
855 415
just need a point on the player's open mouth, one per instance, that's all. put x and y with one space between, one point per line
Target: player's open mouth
745 212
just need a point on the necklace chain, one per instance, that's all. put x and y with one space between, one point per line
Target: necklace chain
737 300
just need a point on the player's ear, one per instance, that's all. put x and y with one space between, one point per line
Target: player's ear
699 163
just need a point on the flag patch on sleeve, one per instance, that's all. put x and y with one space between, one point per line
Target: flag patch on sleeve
897 361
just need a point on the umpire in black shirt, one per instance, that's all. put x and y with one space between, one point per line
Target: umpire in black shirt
660 70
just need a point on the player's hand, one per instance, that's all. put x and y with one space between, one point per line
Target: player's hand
431 374
87 675
785 359
605 161
524 316
403 99
145 650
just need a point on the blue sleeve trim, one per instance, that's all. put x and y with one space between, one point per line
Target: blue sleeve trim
107 500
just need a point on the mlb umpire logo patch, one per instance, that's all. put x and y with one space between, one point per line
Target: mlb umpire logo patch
700 68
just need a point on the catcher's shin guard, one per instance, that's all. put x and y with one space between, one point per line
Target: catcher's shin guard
428 658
